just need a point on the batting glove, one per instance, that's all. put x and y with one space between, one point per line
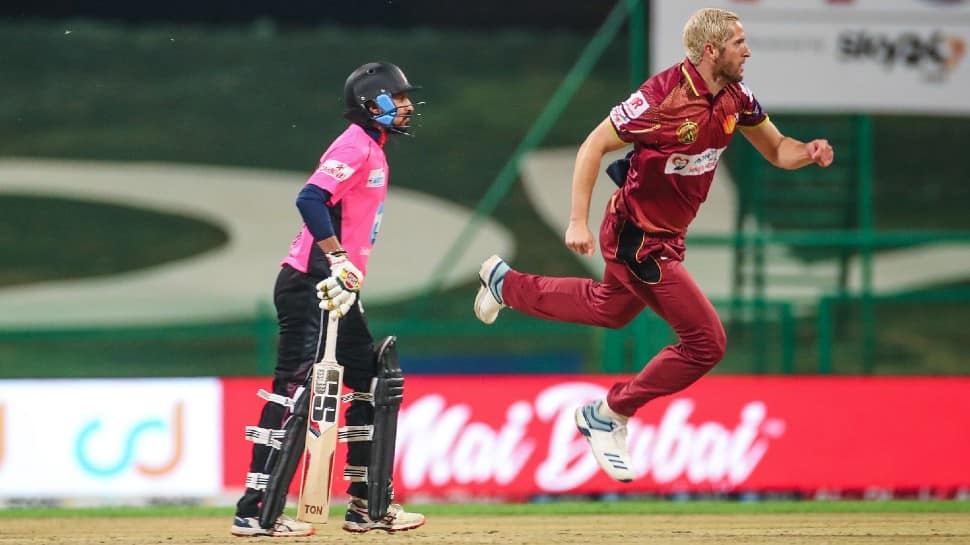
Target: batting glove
339 291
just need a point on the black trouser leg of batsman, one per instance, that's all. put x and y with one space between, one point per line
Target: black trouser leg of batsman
355 351
299 334
300 346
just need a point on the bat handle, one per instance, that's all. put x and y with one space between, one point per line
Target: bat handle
330 347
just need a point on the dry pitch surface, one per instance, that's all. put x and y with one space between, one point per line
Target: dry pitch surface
790 529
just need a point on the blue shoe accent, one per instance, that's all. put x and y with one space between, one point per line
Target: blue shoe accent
607 439
594 420
616 460
248 527
496 278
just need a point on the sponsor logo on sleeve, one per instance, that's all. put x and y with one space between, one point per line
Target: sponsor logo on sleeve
693 165
729 123
618 118
338 170
636 105
376 178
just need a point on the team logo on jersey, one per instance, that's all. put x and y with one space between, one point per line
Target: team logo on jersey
338 170
636 104
687 132
729 123
376 178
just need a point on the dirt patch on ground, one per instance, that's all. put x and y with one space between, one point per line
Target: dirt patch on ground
790 529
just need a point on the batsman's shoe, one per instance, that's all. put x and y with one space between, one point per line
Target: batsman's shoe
397 519
488 301
284 527
606 433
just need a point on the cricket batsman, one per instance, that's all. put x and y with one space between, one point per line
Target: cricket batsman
341 206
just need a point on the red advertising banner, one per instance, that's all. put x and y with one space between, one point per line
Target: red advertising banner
513 435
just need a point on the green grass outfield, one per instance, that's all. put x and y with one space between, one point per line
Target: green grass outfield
551 508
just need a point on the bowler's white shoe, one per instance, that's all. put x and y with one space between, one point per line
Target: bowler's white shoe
488 300
606 433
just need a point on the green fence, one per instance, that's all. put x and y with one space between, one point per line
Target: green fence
237 104
907 333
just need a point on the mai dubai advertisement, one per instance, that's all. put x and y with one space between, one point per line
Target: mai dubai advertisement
500 436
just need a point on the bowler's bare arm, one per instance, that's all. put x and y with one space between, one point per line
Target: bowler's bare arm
601 140
785 151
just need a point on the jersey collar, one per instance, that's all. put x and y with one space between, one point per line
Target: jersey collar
378 135
694 79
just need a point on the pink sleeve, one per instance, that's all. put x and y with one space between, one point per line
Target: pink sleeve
336 171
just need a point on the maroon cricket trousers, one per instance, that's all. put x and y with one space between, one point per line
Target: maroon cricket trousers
641 271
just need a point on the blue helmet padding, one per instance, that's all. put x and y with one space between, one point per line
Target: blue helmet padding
388 109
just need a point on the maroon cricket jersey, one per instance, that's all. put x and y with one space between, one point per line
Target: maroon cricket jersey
679 130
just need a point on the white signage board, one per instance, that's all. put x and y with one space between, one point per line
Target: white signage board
110 438
906 56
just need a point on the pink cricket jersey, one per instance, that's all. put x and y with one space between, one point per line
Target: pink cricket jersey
354 170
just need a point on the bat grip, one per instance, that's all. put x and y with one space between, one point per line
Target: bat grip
330 345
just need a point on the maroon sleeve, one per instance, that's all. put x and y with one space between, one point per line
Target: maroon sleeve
751 111
635 117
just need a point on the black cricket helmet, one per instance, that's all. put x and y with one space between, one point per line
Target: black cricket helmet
374 82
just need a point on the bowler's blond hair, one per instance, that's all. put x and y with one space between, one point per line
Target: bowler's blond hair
707 25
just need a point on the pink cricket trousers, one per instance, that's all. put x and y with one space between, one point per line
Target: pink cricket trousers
641 271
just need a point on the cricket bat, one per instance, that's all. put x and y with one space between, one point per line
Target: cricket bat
321 433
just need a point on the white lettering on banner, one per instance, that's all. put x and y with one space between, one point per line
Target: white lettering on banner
693 165
440 445
710 452
569 462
